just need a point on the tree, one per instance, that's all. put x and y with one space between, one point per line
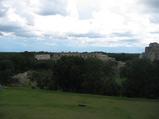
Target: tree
141 78
6 71
92 75
44 79
69 73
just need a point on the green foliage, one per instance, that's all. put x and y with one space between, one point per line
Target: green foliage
89 75
69 71
43 65
44 79
142 79
123 56
6 71
139 77
22 61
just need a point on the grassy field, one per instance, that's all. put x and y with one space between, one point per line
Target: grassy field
21 103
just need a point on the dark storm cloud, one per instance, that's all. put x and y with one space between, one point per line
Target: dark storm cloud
87 35
155 18
152 5
24 33
9 28
154 32
123 34
53 7
16 30
124 37
1 34
3 9
129 40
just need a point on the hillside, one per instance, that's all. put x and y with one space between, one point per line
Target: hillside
26 103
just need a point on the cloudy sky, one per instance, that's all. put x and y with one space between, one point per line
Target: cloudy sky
78 25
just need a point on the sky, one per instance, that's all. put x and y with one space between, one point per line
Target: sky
78 25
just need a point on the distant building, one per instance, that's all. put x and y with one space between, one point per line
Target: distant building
57 56
43 57
151 52
100 56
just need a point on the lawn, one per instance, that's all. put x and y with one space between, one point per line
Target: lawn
23 103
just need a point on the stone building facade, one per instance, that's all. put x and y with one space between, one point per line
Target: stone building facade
151 52
43 57
100 56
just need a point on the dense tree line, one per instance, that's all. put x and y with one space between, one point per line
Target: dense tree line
76 74
6 71
13 63
142 78
124 56
138 78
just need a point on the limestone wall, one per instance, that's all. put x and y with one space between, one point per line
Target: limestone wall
152 52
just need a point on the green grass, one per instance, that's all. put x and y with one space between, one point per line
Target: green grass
22 103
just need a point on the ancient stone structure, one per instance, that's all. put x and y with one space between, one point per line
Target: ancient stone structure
42 57
57 56
151 52
22 79
100 56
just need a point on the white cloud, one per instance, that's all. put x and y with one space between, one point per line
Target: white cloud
86 8
49 7
85 22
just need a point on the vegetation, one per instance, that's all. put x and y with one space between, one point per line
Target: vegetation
123 56
142 78
138 78
75 74
23 103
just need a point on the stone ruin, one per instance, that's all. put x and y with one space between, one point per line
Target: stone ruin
43 57
57 56
151 52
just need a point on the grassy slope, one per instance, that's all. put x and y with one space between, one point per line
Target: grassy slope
38 104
